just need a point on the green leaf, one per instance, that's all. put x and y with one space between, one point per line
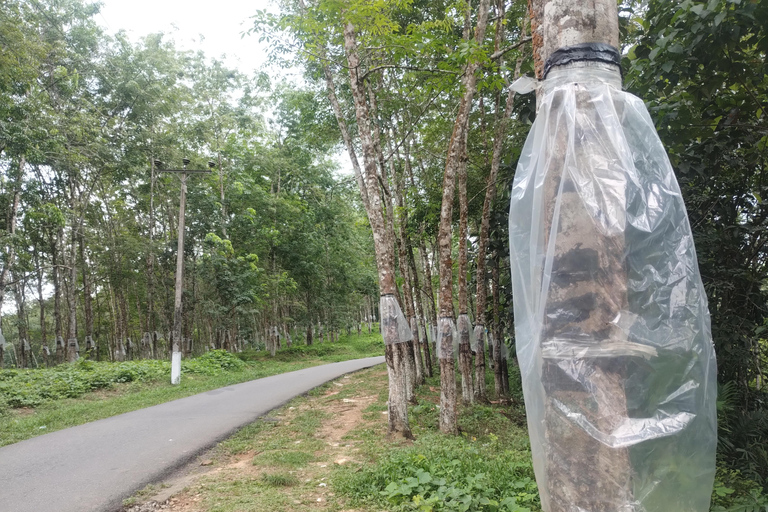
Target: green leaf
720 17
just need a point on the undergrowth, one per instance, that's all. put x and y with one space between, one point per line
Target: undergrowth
31 388
362 345
733 492
486 468
447 473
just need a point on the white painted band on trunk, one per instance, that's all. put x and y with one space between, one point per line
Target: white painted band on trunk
176 368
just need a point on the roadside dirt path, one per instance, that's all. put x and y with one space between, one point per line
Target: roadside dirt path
283 461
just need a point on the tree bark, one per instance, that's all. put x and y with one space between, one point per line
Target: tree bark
430 295
464 325
404 247
396 351
496 338
151 326
456 157
56 246
21 320
420 327
125 340
418 298
500 125
559 23
71 259
11 219
41 306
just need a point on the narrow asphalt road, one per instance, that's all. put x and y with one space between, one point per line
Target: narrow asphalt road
93 467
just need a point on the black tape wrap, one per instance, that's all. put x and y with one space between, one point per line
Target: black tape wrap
594 52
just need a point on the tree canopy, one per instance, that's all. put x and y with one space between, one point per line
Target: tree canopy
282 246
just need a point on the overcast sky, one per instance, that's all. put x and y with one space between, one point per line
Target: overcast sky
220 22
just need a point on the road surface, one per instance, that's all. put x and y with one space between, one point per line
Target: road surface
94 467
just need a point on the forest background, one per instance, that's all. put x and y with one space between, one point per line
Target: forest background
279 248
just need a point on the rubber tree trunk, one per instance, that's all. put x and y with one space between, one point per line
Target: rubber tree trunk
496 340
10 227
72 344
41 305
383 241
420 332
87 300
56 245
420 327
151 326
429 298
71 261
411 370
590 476
463 322
501 122
21 321
456 158
403 249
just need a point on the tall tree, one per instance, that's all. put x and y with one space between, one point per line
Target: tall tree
455 161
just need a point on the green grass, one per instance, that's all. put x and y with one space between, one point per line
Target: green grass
35 402
279 479
487 467
149 490
285 458
245 494
285 447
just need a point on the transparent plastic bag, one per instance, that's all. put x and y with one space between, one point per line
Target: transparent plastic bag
478 336
463 322
394 326
445 325
612 327
504 351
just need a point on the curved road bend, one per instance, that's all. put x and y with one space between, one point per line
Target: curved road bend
93 467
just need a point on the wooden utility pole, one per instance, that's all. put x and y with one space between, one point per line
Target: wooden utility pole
177 304
589 279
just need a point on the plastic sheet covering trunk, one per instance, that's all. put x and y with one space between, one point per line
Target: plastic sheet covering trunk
394 327
611 321
446 325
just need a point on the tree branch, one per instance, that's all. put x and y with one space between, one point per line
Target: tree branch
408 68
500 53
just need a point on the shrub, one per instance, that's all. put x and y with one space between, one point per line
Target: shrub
30 388
734 492
447 474
213 363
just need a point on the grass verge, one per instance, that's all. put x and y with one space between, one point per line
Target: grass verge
41 397
329 451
